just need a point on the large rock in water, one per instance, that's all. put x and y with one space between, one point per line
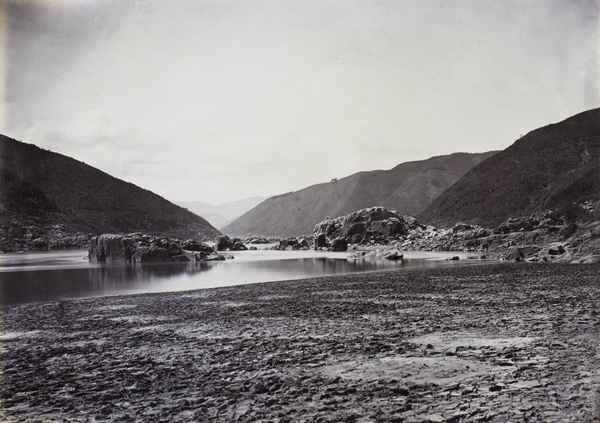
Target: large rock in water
363 225
224 243
138 248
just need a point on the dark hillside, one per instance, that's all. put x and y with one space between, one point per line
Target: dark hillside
43 190
407 188
551 168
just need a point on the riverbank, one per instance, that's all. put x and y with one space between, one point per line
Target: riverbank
503 342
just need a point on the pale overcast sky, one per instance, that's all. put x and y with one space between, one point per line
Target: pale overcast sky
218 100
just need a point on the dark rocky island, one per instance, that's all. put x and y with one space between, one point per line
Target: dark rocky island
140 248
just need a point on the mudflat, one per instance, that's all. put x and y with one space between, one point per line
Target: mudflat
504 342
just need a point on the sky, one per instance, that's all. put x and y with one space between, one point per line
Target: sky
220 100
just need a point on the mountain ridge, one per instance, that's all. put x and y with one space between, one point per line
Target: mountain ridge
407 188
554 167
44 192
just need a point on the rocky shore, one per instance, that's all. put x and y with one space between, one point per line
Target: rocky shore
507 342
543 236
33 236
566 236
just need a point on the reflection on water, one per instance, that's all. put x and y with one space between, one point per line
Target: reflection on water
36 277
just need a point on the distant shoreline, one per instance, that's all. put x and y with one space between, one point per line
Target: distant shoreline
508 341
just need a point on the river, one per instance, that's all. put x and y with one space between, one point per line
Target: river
60 275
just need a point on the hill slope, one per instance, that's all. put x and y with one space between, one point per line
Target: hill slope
550 168
407 188
45 192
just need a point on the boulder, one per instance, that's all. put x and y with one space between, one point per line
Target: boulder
214 257
321 241
411 221
339 244
288 244
393 254
521 252
239 246
359 255
39 243
303 244
223 243
192 245
515 254
388 254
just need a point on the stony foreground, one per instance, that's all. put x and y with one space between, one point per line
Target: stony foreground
506 342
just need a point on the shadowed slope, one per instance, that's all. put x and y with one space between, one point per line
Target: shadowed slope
42 188
550 168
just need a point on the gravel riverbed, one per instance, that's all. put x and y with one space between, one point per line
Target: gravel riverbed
503 342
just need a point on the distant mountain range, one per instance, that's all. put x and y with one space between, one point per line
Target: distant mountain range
556 167
46 194
221 215
407 188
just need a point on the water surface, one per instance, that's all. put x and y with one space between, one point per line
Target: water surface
51 276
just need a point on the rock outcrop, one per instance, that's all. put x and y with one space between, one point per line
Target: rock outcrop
139 248
542 236
572 236
371 225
